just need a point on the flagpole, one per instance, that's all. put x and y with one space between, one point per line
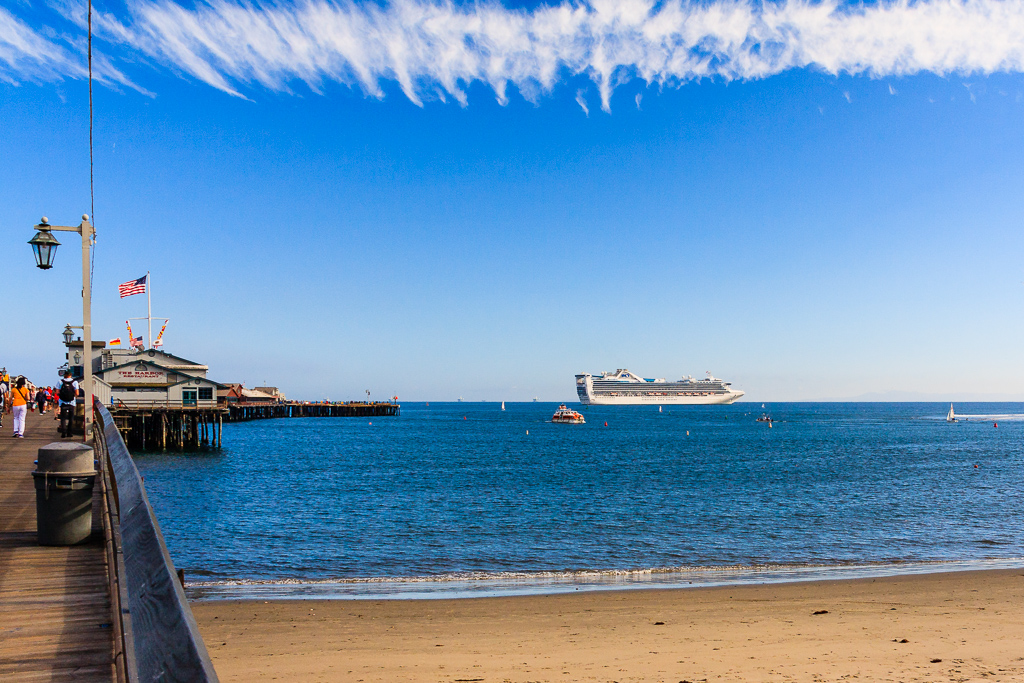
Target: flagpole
149 307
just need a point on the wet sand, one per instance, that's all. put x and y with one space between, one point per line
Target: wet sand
963 626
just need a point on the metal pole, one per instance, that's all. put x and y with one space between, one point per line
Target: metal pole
149 308
86 229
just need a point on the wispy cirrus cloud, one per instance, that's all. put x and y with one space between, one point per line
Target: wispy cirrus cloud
433 48
27 54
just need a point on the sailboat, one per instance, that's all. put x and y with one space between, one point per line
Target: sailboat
659 409
950 416
503 405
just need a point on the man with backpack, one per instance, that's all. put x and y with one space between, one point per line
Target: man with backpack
66 395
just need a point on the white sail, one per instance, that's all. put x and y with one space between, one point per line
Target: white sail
503 405
950 416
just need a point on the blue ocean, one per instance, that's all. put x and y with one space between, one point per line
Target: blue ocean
464 498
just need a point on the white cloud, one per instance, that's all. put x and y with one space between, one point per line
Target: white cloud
29 55
582 101
431 46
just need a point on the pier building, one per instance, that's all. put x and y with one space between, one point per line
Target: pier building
237 393
272 391
144 383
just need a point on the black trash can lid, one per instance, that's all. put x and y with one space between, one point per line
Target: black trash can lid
65 456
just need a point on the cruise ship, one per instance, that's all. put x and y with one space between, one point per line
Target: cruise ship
623 387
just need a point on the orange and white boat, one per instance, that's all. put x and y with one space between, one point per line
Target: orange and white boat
566 416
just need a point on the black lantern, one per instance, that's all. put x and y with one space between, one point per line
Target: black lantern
69 335
44 245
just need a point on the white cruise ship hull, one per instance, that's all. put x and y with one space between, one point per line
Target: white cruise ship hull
623 388
720 399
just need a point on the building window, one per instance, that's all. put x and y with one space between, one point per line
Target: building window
205 393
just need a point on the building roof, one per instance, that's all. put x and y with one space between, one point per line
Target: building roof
176 371
200 380
252 393
185 362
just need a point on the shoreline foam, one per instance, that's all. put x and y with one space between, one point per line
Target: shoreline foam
499 584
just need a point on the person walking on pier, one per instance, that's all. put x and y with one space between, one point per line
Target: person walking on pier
66 395
41 400
20 398
3 401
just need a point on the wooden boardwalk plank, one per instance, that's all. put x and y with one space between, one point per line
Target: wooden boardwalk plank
54 603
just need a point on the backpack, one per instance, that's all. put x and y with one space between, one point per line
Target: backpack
67 391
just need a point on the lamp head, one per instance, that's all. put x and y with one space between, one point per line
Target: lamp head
44 245
69 335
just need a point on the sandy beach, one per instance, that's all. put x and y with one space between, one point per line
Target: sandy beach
964 626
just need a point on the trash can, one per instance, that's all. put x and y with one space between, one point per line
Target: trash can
64 477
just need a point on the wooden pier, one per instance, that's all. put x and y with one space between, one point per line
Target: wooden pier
111 609
55 609
243 412
161 427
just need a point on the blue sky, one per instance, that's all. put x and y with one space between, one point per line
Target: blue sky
842 217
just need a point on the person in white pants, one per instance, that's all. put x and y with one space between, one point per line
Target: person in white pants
20 398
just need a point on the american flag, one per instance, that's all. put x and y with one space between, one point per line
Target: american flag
133 287
137 343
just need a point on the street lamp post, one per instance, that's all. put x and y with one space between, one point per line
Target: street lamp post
44 246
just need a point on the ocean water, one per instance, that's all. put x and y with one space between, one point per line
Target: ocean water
462 498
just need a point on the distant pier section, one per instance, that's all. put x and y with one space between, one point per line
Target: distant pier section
243 412
162 427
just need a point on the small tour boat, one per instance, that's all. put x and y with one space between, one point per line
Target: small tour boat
567 416
764 418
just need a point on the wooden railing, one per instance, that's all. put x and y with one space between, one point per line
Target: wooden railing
149 404
156 637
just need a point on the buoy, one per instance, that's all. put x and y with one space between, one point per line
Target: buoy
769 425
527 432
975 467
605 424
995 424
463 417
371 424
687 432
